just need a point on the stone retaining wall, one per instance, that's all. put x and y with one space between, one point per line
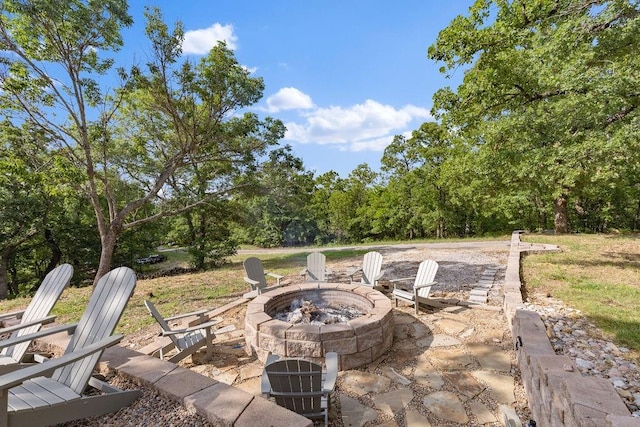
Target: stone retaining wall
559 395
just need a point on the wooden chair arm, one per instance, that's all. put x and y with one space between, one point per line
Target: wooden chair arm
252 282
182 316
19 326
14 314
205 325
424 285
353 271
402 279
41 333
331 360
278 277
15 378
265 385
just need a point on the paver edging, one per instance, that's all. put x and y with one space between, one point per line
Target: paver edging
240 406
549 380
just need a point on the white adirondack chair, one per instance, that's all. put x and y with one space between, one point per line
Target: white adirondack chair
256 277
370 271
187 340
33 317
316 270
421 285
300 385
52 392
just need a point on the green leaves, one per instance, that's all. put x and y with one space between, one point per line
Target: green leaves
545 87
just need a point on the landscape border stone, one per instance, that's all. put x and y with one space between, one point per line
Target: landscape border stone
559 395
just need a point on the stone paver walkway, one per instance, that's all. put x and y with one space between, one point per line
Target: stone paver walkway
450 366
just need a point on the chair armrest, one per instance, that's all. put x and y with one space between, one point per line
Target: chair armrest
353 271
15 378
182 316
251 281
265 385
41 333
402 280
19 326
331 360
278 277
14 314
424 285
205 325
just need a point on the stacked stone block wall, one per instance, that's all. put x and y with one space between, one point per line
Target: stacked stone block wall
559 395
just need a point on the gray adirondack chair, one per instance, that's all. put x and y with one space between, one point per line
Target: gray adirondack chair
316 270
422 284
33 317
300 385
52 392
256 277
187 340
370 271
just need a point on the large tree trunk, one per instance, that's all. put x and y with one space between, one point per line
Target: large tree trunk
4 277
108 242
561 214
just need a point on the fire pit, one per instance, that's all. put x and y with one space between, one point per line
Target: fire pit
357 341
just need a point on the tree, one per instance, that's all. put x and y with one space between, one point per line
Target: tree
550 93
179 114
278 212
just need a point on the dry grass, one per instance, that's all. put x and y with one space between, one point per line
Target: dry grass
597 274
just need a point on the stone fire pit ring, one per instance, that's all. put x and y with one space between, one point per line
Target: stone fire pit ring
358 341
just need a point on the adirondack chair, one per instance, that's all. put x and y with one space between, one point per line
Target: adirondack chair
52 392
33 317
316 270
187 340
370 271
421 286
300 385
256 277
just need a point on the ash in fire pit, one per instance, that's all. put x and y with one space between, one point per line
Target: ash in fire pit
317 313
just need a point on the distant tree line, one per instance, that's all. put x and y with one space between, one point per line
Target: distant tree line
543 133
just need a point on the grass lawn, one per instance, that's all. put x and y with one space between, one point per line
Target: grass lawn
597 274
181 293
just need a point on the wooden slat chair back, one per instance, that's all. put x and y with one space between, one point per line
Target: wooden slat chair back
371 267
316 270
39 308
300 385
423 282
371 270
99 320
51 392
297 385
255 271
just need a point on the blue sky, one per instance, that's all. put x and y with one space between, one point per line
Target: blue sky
344 76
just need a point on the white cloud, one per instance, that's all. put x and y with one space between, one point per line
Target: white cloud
288 98
200 42
367 126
